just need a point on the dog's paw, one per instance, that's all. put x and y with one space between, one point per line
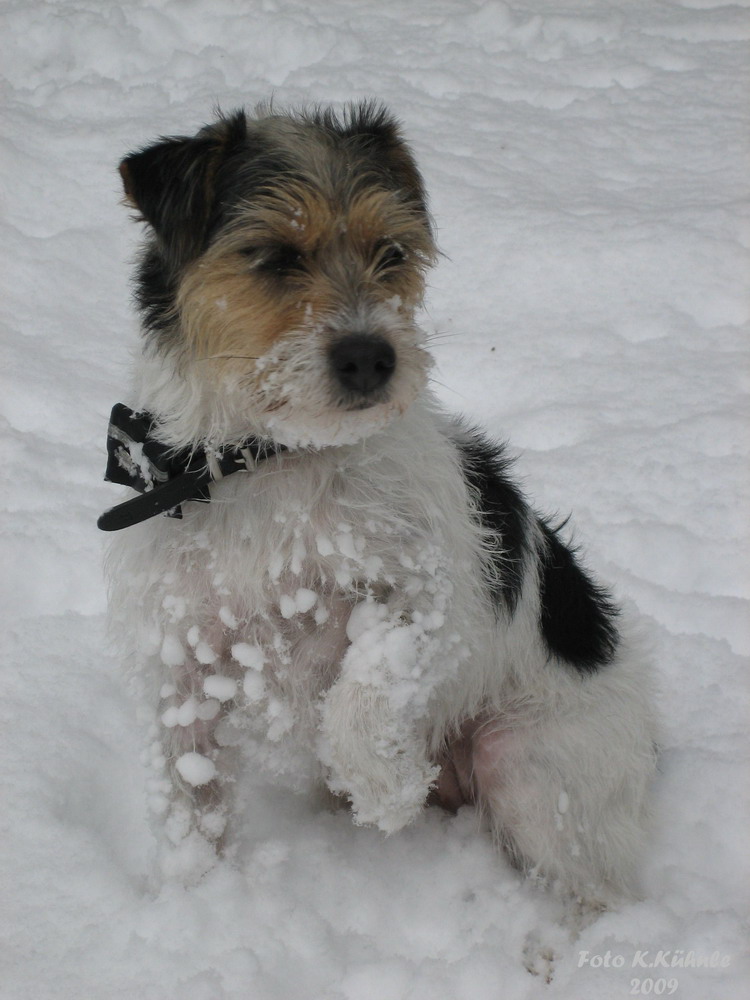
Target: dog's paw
392 794
373 759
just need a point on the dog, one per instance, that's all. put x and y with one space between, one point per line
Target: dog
350 589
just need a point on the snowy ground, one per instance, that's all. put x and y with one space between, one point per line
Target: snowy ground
587 161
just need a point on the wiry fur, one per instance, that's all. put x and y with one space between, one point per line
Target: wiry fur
376 608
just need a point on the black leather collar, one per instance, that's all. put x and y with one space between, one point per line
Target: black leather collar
165 477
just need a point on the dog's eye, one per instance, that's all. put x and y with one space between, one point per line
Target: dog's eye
389 256
282 261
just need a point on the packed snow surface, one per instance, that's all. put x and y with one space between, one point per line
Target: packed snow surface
588 168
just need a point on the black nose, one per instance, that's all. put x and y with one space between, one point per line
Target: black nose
362 362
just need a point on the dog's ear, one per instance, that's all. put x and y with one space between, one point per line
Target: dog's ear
375 130
172 182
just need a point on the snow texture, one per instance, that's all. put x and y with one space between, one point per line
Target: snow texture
587 163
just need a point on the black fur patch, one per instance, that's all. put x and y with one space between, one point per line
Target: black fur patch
577 617
172 183
156 288
502 510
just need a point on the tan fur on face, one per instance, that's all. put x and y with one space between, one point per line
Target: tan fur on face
232 312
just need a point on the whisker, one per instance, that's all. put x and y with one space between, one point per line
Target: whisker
451 390
229 357
440 337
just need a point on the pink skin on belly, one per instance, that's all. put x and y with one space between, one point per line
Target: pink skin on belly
472 763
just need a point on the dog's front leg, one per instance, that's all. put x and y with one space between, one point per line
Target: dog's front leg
374 757
375 718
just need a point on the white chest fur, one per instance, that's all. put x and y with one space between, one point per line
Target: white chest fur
247 605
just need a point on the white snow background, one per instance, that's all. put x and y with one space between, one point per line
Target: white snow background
588 168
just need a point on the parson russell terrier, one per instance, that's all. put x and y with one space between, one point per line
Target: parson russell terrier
349 589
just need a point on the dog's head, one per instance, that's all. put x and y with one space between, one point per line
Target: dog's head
286 262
